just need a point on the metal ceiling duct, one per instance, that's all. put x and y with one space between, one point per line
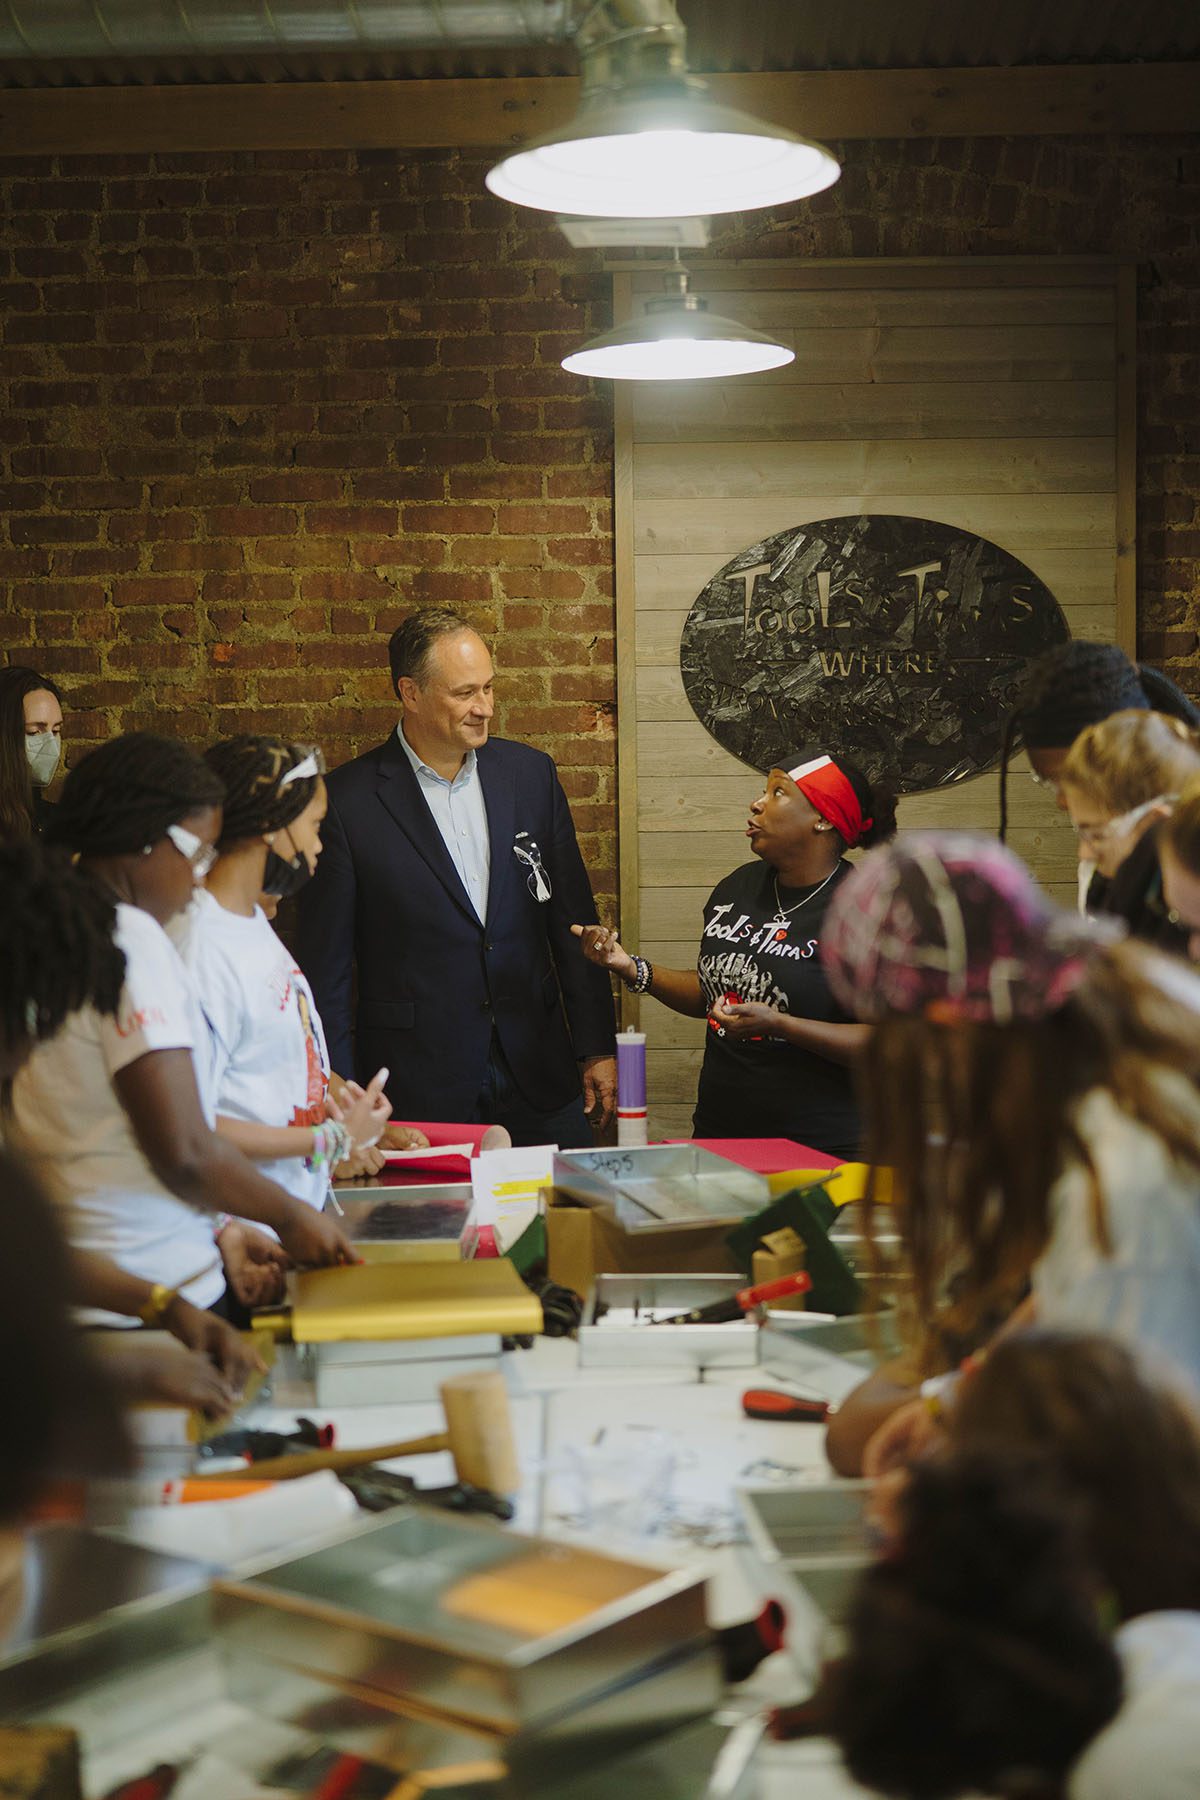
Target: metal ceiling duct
50 29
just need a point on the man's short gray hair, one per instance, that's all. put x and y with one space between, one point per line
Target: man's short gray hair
414 638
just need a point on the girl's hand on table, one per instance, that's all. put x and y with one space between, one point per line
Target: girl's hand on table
365 1163
313 1240
909 1434
403 1137
172 1376
255 1265
225 1348
601 946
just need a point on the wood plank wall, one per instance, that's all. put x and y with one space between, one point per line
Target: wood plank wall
991 395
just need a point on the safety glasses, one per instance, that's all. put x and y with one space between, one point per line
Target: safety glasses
1115 829
202 856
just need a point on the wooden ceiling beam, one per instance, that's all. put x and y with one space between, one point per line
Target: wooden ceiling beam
860 103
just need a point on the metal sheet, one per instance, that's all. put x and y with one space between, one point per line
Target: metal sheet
461 1618
647 1188
92 1603
827 1358
616 1330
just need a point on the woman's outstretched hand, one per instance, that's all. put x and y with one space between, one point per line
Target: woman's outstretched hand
601 946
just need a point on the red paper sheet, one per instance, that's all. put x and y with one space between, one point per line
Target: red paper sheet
765 1156
419 1170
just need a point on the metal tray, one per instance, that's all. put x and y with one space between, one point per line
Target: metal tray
406 1224
813 1539
649 1187
91 1603
398 1612
615 1331
826 1357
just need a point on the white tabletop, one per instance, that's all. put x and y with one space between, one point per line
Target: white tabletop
590 1433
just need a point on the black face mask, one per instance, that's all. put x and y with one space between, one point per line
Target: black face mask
285 878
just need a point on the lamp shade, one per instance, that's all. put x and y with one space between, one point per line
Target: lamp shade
678 340
661 152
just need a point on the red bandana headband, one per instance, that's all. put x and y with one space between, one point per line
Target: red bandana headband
832 793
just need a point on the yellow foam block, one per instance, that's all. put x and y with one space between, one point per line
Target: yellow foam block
844 1184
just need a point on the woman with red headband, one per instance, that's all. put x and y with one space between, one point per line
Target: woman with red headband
776 1061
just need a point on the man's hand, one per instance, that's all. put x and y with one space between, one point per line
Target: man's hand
211 1337
599 1077
254 1264
313 1240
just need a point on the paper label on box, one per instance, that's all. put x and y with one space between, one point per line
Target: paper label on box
506 1188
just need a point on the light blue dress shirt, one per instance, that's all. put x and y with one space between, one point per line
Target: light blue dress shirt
461 817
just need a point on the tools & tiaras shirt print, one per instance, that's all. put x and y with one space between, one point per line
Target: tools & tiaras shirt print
757 945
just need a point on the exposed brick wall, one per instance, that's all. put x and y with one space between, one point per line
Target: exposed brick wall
254 406
257 406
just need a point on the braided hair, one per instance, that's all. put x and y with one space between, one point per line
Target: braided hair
123 796
1075 685
250 769
56 926
16 784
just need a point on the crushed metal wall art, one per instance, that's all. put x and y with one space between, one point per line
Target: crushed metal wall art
897 642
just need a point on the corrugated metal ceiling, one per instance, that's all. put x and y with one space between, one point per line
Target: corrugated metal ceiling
122 41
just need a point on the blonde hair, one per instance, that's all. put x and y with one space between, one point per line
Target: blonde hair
1181 832
1131 757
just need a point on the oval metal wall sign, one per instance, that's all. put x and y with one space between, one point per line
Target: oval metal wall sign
899 642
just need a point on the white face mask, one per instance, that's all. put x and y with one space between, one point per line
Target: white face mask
43 750
1086 871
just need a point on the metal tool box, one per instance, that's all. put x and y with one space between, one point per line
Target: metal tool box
383 1374
656 1185
616 1331
428 1636
405 1224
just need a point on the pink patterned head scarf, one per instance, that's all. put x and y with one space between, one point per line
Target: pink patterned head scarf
952 926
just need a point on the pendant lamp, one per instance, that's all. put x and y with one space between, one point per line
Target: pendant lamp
648 142
677 339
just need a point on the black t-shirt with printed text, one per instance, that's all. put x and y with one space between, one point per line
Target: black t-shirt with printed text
764 1088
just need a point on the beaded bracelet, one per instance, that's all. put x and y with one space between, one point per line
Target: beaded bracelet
642 978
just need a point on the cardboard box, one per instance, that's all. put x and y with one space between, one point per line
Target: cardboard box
583 1243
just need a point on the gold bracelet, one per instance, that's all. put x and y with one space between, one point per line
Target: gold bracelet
161 1300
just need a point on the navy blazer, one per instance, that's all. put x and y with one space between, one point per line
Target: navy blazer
433 981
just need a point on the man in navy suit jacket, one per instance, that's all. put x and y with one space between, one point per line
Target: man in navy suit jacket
450 875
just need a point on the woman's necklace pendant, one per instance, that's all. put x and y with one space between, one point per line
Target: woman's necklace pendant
778 926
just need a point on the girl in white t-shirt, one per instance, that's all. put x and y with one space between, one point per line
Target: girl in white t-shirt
272 1068
56 926
115 1114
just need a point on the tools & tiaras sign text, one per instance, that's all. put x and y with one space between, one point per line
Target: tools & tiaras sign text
898 642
